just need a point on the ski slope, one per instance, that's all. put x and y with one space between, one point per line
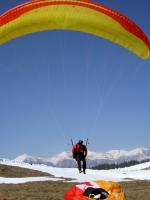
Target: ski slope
137 172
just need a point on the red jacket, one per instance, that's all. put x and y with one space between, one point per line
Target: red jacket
79 148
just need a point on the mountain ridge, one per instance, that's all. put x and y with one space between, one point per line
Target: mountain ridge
64 159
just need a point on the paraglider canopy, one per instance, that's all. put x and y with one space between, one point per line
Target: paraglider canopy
95 190
39 15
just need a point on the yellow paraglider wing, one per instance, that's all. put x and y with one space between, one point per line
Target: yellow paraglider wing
77 15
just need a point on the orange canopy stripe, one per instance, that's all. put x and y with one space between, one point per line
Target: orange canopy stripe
129 25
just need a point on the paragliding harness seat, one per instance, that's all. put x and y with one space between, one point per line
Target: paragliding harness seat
96 193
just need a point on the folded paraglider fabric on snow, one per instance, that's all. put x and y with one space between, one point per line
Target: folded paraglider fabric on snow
95 190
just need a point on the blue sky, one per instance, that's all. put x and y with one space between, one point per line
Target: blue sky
57 85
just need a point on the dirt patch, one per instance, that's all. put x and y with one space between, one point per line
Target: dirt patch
18 172
148 168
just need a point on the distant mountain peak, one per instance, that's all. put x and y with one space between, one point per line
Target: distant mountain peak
22 158
64 159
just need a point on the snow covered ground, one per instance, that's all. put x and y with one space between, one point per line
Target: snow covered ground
137 172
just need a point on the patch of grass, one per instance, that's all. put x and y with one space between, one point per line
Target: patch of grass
49 190
137 190
34 191
18 172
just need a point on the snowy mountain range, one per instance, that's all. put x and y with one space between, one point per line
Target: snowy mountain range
65 160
